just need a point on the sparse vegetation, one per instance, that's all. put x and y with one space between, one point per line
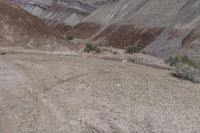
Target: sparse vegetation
186 72
3 53
133 49
186 68
173 61
115 53
92 48
70 38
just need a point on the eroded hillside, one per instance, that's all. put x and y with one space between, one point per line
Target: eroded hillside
61 13
20 29
161 27
103 89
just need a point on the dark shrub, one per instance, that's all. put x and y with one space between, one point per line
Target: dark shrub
186 72
70 38
91 48
186 68
173 61
133 49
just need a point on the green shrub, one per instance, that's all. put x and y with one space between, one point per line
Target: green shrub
173 61
186 72
91 48
186 68
133 49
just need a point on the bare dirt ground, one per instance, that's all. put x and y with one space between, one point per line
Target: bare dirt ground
63 94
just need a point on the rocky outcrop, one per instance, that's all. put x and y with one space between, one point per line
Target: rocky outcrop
20 29
162 28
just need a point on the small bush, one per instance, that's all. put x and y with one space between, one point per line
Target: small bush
3 53
133 49
173 61
115 52
186 72
91 48
70 38
186 68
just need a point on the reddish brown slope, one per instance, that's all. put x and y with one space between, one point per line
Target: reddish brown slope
20 29
121 24
162 27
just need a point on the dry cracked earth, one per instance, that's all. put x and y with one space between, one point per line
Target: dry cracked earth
63 94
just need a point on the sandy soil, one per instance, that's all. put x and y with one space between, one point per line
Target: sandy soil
62 94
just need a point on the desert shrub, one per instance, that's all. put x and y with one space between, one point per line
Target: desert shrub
3 53
185 68
186 72
144 52
173 61
133 49
70 38
91 48
115 52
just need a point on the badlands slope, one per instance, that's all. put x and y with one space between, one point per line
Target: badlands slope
48 93
20 29
161 27
60 13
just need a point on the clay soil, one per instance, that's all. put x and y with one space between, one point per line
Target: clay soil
42 93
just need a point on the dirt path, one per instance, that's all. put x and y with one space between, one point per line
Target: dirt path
59 94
